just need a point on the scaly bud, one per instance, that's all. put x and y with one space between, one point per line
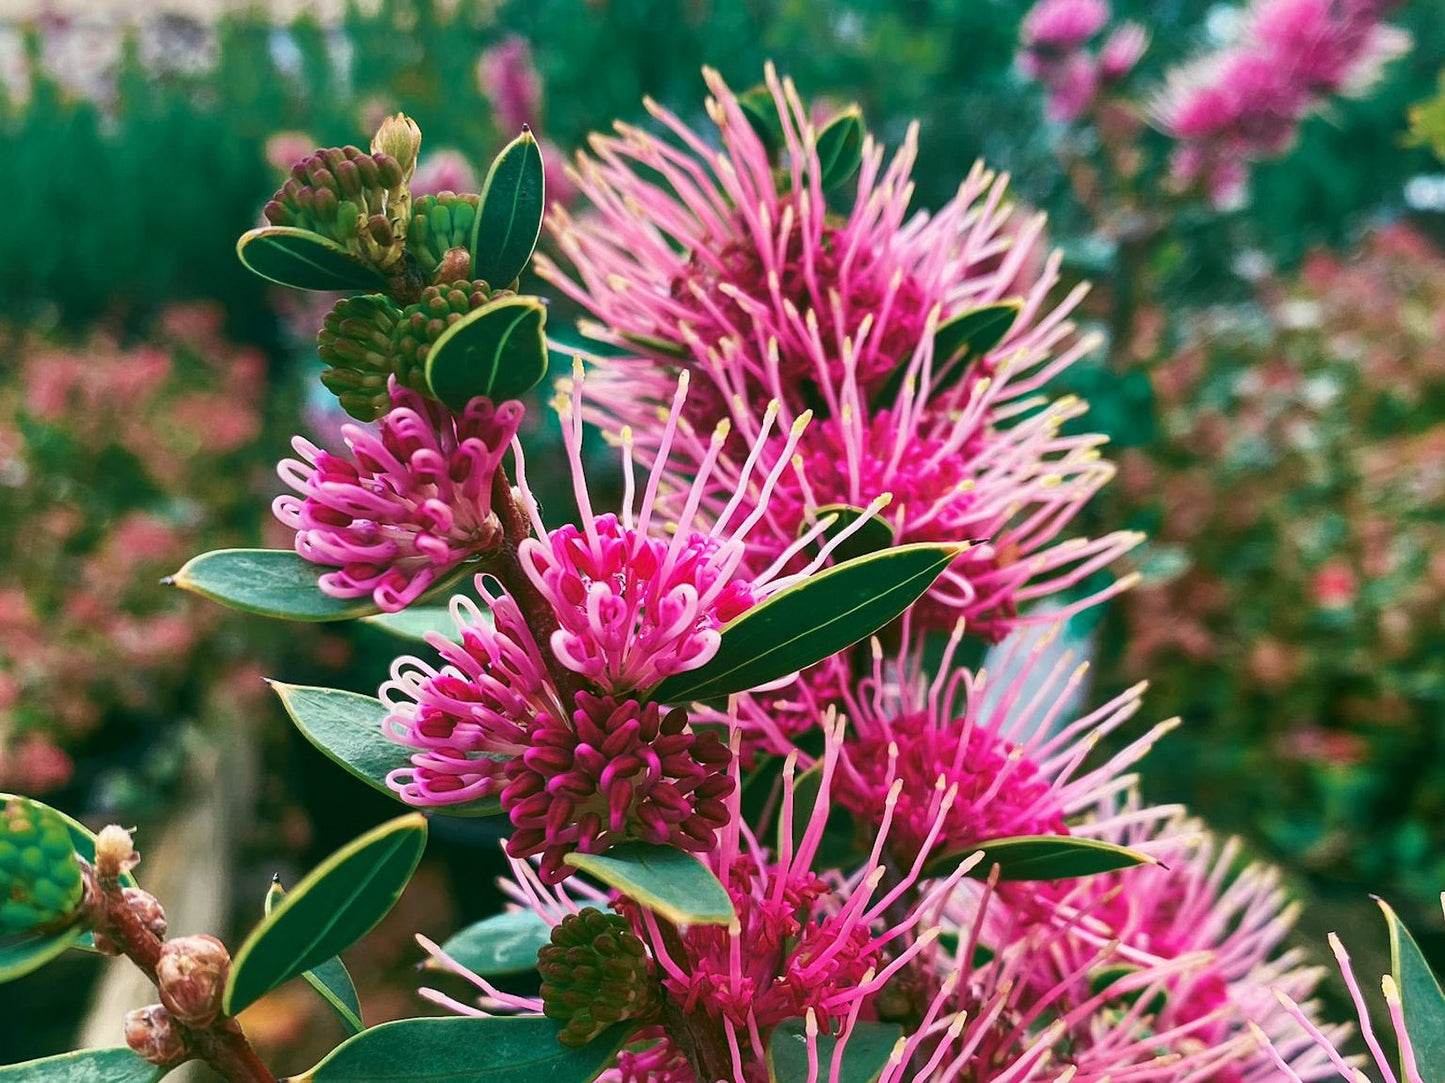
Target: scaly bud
596 972
147 908
153 1033
114 852
191 976
400 138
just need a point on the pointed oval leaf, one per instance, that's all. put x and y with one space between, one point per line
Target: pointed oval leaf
499 945
663 879
467 1049
498 350
347 728
338 903
509 219
865 1053
331 980
840 147
761 110
875 535
815 619
1044 857
1421 998
84 1066
305 261
970 335
417 622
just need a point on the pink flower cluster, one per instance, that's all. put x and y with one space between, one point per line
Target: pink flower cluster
1245 102
1053 51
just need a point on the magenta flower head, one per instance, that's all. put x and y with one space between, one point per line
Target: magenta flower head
1062 26
728 264
408 505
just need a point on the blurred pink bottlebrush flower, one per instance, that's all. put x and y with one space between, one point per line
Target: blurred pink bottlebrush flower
765 296
1063 26
1122 50
554 727
409 504
443 170
507 77
285 149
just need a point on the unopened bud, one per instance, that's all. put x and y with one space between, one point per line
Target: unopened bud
146 907
114 853
191 976
400 138
153 1033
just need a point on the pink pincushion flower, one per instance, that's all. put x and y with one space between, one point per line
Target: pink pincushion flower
1062 26
764 296
409 505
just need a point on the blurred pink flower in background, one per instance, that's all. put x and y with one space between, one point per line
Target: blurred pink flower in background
443 170
508 79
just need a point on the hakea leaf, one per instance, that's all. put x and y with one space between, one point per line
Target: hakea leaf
500 945
665 880
84 1066
840 148
802 625
329 978
335 905
304 260
467 1049
347 728
418 622
509 220
499 350
971 335
875 535
1044 857
865 1053
1421 998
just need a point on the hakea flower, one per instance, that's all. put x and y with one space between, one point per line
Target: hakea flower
1326 1043
1214 927
722 264
410 503
542 704
1246 101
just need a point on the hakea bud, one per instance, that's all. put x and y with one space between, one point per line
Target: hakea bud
153 1034
114 852
595 973
40 881
423 323
191 976
439 225
147 908
340 193
357 342
399 138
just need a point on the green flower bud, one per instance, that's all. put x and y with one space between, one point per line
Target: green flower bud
595 973
357 342
398 138
338 192
40 879
422 324
439 224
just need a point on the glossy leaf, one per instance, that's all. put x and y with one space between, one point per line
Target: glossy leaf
84 1066
1044 857
1421 998
338 903
875 535
971 335
815 619
271 582
330 979
502 944
865 1054
663 879
761 110
498 350
22 953
347 728
467 1049
305 261
509 219
416 622
840 148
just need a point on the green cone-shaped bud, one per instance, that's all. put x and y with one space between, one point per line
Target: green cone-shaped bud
357 342
422 324
338 193
595 973
40 879
439 224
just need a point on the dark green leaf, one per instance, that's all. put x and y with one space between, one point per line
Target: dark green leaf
800 626
330 979
873 536
347 728
761 109
510 217
305 260
971 335
840 147
338 903
498 350
502 944
1044 857
417 621
22 953
1421 999
84 1066
865 1053
467 1049
272 582
663 879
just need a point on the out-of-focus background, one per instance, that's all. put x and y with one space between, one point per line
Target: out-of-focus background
1274 386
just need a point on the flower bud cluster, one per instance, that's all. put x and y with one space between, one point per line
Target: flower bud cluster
596 972
356 199
40 881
